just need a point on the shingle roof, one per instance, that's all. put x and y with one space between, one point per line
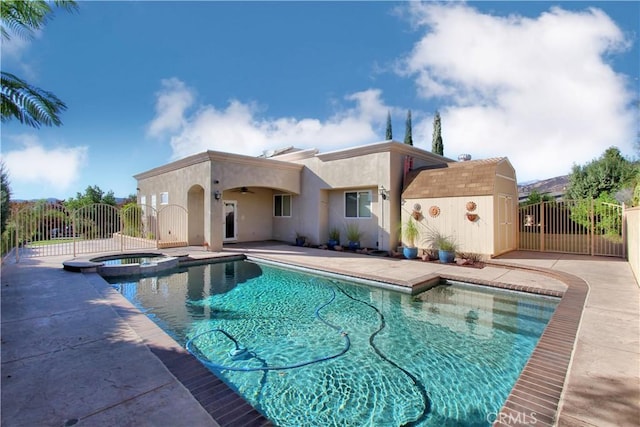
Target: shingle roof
470 178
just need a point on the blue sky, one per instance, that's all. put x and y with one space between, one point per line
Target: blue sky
547 84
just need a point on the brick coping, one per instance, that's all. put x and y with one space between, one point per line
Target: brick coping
536 395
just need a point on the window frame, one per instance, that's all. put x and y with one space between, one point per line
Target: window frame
358 214
282 197
162 198
143 204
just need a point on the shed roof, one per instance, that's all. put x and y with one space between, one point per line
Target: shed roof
470 178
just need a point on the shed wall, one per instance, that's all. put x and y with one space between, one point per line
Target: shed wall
473 237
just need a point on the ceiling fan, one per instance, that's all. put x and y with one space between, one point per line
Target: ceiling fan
243 190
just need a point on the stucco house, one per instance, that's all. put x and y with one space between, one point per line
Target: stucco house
236 198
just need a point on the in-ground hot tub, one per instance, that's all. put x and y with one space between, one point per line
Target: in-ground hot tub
133 263
123 264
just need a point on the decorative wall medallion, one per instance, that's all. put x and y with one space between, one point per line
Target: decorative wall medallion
416 214
434 211
471 206
472 217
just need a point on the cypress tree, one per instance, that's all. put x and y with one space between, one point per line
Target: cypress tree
408 138
389 133
437 147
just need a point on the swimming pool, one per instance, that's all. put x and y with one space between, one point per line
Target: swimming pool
365 356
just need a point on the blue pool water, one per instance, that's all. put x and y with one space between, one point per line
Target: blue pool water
362 356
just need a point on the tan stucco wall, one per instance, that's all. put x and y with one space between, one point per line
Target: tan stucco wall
254 214
215 171
327 176
633 240
367 226
253 173
322 201
177 183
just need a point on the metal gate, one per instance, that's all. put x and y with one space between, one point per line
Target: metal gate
49 229
589 227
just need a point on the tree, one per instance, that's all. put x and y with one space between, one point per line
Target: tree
131 198
605 175
408 138
95 213
437 147
20 100
536 197
92 195
389 133
5 197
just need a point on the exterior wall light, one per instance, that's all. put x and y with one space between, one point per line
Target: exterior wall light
384 193
217 195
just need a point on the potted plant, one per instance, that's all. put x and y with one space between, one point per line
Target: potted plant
410 232
300 239
444 244
353 236
334 238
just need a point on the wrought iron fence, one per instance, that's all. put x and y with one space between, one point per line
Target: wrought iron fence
586 227
48 229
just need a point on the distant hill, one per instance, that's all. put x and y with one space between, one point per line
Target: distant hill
556 187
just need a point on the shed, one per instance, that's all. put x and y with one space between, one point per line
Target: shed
473 201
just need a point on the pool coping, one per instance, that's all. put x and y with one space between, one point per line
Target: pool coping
536 395
534 398
225 406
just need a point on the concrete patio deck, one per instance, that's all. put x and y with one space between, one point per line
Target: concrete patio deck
75 352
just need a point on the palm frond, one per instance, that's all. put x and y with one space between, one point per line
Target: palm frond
29 104
25 17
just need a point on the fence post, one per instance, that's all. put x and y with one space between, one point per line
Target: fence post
17 243
593 228
74 230
542 206
121 230
623 218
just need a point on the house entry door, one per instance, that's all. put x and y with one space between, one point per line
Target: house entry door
230 223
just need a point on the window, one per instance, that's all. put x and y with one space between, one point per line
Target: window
153 201
357 204
282 205
164 198
143 203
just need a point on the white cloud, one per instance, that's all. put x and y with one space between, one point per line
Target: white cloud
52 168
239 128
12 53
171 103
539 91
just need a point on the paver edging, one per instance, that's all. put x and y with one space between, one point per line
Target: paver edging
561 335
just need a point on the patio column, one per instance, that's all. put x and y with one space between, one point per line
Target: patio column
214 225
